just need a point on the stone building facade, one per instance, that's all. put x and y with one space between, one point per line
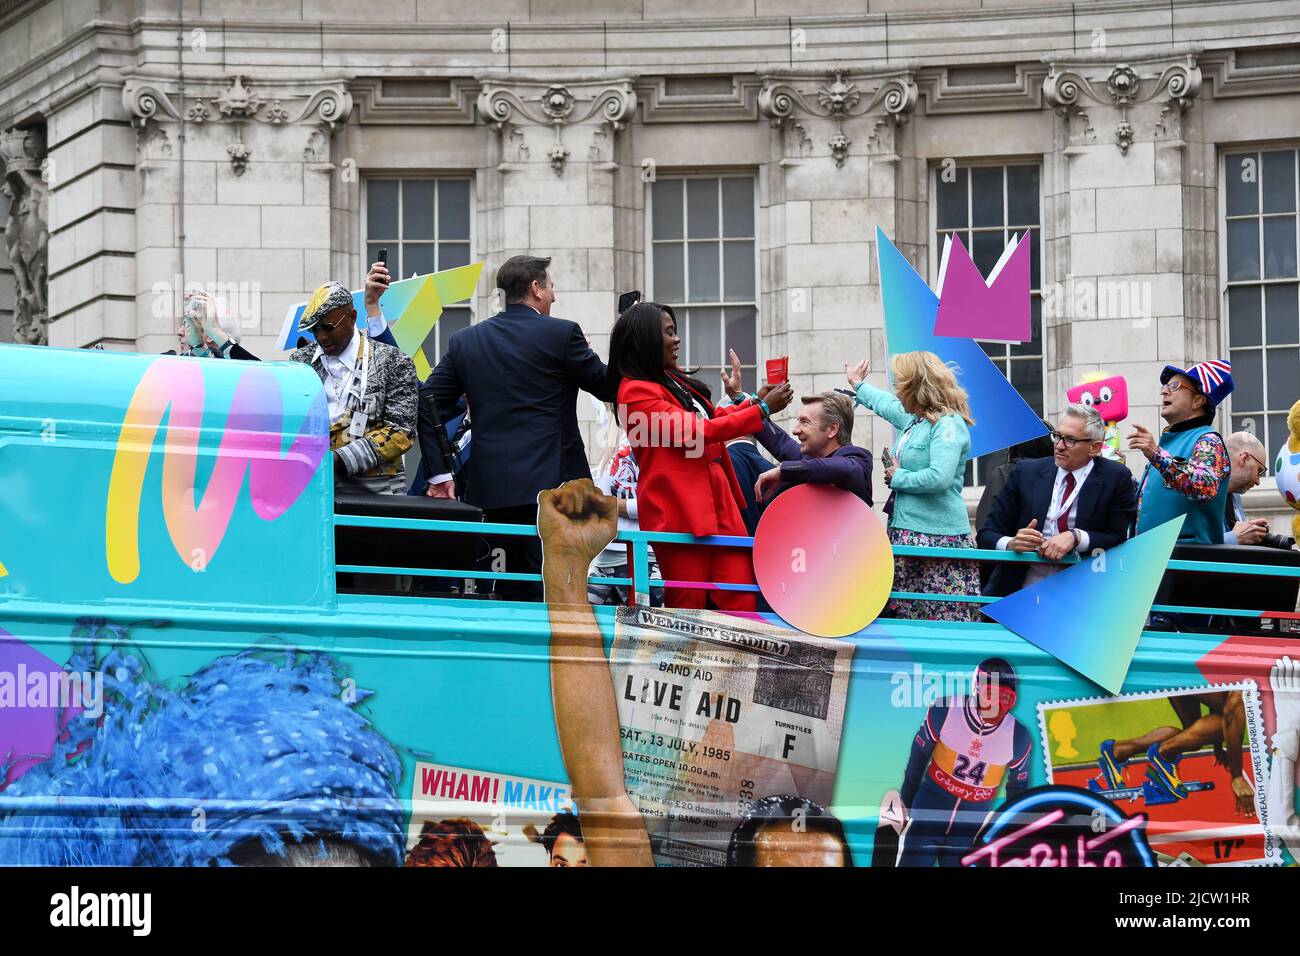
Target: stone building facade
732 158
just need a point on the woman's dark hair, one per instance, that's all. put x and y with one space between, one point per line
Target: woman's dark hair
636 350
782 811
562 823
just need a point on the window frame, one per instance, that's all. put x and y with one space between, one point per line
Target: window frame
720 304
1002 162
1226 153
402 176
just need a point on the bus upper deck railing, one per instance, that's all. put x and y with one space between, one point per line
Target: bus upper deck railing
638 543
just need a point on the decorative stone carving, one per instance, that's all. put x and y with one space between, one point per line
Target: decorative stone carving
781 97
1122 88
240 153
151 97
520 154
239 102
798 141
840 148
839 98
893 96
276 114
22 153
317 148
557 105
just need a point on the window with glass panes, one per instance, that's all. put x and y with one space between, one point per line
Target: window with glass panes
985 206
1260 241
703 264
425 226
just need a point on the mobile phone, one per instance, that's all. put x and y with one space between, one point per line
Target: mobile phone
383 256
886 458
627 300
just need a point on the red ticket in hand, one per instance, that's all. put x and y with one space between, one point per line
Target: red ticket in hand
778 370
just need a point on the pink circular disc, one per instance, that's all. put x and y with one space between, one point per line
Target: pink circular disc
823 560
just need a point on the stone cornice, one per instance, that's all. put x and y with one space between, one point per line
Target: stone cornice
455 109
1227 79
950 89
659 105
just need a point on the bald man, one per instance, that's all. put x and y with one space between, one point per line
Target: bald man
1248 459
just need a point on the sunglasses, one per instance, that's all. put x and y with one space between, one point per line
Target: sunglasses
1173 385
327 327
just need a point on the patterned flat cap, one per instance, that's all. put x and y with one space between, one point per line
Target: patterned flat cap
326 299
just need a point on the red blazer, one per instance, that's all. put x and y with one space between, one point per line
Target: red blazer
678 488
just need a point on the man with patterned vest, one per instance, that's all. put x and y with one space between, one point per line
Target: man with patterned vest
1188 468
371 389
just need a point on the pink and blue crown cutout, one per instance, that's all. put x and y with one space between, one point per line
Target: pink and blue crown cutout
996 310
1002 417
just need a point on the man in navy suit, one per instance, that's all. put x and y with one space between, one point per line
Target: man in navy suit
520 371
1075 501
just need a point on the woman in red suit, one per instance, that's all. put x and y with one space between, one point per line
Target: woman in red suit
686 482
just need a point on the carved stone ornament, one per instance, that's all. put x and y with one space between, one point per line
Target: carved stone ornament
782 98
1064 87
557 105
240 153
839 98
149 97
22 153
840 148
238 102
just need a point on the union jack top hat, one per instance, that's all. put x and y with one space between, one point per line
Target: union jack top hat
1213 375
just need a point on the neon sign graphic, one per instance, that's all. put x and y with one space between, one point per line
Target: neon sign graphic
1061 827
251 441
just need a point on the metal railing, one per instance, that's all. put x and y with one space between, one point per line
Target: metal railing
638 543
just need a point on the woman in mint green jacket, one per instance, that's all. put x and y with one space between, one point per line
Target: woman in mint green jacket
931 415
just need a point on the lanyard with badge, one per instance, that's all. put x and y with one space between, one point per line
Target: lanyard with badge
902 439
1062 508
350 391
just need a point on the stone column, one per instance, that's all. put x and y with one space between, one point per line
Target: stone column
557 185
253 215
837 173
1129 273
92 196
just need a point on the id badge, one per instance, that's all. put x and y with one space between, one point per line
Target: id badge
358 426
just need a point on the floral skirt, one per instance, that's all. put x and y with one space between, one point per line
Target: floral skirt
935 576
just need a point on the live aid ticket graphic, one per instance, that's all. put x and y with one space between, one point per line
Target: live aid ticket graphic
510 813
1191 760
717 712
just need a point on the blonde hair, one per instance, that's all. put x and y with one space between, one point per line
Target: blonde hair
927 387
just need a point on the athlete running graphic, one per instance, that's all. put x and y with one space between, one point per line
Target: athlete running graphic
1223 726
